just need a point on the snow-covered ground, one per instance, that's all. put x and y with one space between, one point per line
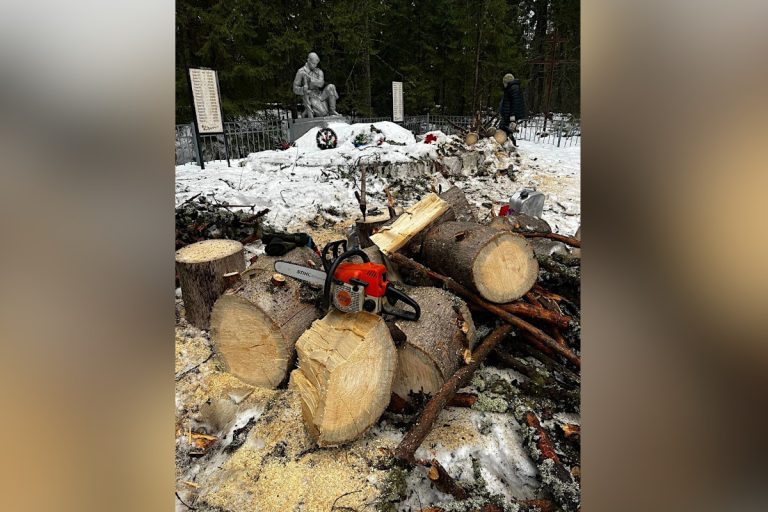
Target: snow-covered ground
302 184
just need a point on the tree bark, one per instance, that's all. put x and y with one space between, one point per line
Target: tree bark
201 267
347 363
254 327
434 345
497 264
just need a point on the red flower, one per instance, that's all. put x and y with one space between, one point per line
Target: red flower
430 138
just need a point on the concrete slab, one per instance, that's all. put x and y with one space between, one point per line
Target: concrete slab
298 127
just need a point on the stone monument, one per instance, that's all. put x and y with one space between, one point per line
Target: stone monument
319 98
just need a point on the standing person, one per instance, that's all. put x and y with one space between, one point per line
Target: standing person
512 105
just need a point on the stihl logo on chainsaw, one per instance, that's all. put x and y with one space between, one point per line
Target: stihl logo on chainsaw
352 287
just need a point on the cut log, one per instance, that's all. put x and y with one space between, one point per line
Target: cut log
434 345
347 363
201 267
498 264
254 327
415 219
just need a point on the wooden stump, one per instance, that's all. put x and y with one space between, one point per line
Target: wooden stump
201 267
347 363
371 224
254 327
434 345
499 265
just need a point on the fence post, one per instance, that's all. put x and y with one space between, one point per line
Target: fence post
560 132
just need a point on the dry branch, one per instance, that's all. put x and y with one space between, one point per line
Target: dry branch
574 242
442 480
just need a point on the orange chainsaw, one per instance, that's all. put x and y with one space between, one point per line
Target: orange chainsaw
352 287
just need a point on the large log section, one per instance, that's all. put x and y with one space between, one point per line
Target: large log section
499 265
435 344
254 327
347 363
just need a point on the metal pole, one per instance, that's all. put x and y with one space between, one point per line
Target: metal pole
560 133
196 137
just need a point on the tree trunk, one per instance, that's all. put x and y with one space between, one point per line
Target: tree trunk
201 267
499 265
347 363
254 327
435 344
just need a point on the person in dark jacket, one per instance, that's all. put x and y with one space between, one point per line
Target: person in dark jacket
512 104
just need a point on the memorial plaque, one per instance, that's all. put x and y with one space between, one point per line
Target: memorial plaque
205 97
397 101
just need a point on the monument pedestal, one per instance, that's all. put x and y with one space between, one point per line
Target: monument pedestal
298 127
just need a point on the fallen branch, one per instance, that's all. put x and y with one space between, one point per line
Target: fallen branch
537 313
462 400
414 437
442 480
554 474
455 287
574 242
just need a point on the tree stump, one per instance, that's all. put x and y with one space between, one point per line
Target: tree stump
434 345
346 363
201 267
499 265
371 224
254 327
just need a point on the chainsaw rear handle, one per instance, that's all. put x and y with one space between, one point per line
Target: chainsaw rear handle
393 295
331 270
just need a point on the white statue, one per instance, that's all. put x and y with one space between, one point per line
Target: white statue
319 99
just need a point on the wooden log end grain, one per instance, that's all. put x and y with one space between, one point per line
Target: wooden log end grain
201 268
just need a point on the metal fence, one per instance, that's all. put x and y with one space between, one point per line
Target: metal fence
252 135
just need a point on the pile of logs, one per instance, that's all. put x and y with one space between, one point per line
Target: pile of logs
350 368
199 218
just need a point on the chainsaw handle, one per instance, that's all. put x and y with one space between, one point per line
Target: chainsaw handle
331 270
394 295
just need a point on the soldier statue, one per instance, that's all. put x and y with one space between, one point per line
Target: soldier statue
319 99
